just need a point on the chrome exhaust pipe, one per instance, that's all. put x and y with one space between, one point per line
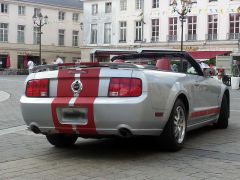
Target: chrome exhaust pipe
124 132
35 129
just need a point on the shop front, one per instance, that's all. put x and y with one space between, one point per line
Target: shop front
23 59
3 61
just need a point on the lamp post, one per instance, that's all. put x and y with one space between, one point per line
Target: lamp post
39 22
185 8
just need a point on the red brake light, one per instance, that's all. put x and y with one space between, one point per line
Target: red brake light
125 87
37 88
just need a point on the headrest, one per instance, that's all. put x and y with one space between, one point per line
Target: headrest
118 61
163 64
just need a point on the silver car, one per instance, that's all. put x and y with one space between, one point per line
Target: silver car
161 94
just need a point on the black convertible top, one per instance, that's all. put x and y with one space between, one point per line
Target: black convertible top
156 54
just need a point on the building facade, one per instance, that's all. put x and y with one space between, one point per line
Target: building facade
129 24
20 38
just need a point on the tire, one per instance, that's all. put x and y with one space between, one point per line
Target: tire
174 133
222 122
61 140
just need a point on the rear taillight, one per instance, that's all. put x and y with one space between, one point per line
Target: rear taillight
125 87
37 88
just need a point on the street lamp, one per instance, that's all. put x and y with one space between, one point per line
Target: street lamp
39 22
186 6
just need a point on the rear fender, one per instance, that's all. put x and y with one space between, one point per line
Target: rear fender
174 93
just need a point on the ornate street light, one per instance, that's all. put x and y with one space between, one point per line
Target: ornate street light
39 22
185 8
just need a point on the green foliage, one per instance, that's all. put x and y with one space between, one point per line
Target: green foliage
211 61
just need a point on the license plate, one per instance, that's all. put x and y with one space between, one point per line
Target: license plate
73 115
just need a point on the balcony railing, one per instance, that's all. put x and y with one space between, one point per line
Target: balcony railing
172 38
122 41
138 40
154 39
211 37
191 37
233 36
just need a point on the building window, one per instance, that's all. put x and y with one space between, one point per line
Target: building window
155 3
37 11
192 28
61 16
75 38
172 32
36 35
75 17
139 4
212 27
94 34
123 31
61 34
4 8
21 10
155 30
138 32
108 7
3 32
94 9
107 33
123 5
20 34
234 26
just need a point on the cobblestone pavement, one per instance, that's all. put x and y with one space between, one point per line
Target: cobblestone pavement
10 114
208 153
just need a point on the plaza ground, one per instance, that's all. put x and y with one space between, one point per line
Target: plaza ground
208 153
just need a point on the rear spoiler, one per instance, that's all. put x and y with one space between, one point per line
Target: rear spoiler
53 67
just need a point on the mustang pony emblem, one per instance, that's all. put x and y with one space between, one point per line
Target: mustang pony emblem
76 87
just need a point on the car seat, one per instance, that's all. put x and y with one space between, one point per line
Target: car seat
163 64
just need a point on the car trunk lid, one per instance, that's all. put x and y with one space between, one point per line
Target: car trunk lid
84 82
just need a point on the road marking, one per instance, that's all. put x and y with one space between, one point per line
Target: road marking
12 130
4 96
235 110
19 81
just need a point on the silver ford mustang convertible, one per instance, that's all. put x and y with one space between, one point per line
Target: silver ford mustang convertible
161 94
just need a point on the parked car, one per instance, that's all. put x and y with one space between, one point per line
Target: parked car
150 94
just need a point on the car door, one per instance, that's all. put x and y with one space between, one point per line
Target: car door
205 97
190 82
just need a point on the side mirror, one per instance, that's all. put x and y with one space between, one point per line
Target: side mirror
208 72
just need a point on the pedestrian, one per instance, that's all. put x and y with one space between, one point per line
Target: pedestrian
30 66
58 60
44 62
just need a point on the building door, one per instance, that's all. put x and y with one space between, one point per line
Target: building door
3 61
20 64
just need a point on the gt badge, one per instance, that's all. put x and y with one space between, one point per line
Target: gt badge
76 87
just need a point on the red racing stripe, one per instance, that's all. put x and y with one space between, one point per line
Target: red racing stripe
64 95
90 81
208 112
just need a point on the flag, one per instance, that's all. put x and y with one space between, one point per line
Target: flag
8 63
25 61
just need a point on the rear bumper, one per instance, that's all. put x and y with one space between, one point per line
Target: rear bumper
106 116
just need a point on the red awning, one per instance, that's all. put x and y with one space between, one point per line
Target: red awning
25 61
208 54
